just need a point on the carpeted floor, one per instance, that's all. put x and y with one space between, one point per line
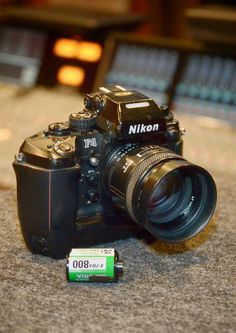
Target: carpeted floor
166 288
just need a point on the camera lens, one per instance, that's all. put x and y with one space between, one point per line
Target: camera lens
161 191
190 198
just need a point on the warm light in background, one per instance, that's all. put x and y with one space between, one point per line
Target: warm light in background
85 51
66 48
71 76
89 51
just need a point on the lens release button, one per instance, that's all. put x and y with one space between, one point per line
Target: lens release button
92 180
92 196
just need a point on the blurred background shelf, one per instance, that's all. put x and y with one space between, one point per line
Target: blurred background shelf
181 53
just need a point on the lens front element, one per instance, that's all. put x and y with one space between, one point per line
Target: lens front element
190 199
165 197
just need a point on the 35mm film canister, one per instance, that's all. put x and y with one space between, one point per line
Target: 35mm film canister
94 265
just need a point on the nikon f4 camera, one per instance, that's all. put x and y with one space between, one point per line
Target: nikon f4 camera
114 168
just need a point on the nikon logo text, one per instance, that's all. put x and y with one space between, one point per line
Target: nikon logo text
142 128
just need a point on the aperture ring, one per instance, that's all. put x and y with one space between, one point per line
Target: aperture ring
141 169
111 166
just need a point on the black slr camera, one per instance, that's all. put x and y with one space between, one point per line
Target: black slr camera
113 169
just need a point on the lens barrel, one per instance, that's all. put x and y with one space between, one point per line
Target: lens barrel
161 191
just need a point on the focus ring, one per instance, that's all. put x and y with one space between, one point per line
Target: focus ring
138 172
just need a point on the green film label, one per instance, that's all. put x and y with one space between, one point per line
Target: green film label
91 265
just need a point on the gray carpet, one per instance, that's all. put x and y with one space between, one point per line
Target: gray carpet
166 288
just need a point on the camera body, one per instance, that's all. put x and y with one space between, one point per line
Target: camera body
62 172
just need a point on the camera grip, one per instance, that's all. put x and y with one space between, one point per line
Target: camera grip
47 207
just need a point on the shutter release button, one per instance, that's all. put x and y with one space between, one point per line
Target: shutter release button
63 148
66 147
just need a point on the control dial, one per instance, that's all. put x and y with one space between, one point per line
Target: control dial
82 121
59 129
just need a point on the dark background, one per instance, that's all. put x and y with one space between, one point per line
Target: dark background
165 17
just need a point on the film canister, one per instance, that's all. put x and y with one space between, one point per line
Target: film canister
94 265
